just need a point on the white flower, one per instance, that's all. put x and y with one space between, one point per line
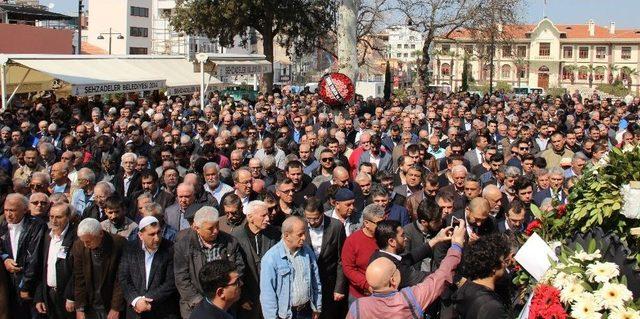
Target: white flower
614 295
602 272
591 299
585 310
571 292
584 256
624 313
563 280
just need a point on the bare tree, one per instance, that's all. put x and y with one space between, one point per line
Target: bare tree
441 18
372 17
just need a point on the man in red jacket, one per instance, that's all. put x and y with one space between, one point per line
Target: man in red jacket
357 251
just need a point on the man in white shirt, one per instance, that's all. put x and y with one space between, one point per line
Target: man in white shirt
146 274
54 295
213 186
21 236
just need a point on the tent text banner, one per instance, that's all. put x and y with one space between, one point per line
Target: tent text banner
122 87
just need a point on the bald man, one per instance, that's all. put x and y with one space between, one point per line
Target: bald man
384 278
478 218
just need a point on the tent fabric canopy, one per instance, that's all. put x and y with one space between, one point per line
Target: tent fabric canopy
101 75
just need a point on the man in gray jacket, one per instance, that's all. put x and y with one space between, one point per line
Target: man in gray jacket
196 247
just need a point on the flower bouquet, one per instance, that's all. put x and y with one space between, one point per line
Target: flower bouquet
582 285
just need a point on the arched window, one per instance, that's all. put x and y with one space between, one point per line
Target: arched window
598 73
566 73
445 69
506 71
543 69
583 73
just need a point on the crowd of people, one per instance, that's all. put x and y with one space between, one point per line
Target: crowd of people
284 207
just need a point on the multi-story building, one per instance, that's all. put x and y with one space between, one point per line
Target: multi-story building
404 43
543 55
120 26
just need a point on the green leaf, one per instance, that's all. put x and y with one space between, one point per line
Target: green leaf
536 211
592 246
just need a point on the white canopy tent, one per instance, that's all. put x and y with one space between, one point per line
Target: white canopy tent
92 75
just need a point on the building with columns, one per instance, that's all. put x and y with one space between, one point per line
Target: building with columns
545 55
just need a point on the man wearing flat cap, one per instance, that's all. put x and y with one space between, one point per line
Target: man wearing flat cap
146 274
344 210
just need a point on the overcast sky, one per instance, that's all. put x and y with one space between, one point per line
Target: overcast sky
623 12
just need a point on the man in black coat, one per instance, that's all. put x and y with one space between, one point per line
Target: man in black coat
127 180
146 274
326 236
21 236
255 237
54 295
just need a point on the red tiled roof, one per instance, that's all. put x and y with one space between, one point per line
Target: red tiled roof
20 38
91 49
572 31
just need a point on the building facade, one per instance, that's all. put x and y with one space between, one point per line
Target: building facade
120 26
544 55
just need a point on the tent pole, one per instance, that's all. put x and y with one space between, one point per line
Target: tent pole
202 84
3 79
18 86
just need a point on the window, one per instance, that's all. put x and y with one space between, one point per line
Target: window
522 73
522 51
412 38
140 12
506 51
399 46
446 48
567 52
601 52
406 46
413 46
445 69
583 53
468 48
139 32
567 73
413 54
599 73
399 55
545 49
583 73
134 50
626 53
406 55
506 71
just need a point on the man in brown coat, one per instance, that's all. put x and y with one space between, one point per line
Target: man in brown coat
95 267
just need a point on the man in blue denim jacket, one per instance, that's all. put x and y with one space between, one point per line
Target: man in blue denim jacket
289 278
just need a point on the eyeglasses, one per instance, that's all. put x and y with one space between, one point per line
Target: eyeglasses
41 203
287 191
327 159
237 283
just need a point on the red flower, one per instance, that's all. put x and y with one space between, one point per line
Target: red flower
545 304
533 225
561 210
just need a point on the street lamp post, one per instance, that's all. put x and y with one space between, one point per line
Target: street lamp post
110 34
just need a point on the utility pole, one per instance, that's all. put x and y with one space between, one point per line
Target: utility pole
80 7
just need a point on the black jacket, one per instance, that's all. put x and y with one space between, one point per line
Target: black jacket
64 268
161 288
269 237
93 211
134 187
473 301
330 267
29 253
409 276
